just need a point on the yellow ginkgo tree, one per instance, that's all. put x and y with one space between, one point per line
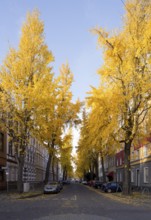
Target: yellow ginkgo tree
66 157
126 72
59 112
101 125
24 76
87 153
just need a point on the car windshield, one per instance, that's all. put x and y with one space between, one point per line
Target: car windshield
52 183
108 184
113 184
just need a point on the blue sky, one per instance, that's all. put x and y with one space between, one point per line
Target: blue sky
67 30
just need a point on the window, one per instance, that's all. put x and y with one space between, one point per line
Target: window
117 177
120 161
1 175
137 154
132 155
28 156
132 176
121 176
145 151
34 141
117 162
10 148
146 175
1 141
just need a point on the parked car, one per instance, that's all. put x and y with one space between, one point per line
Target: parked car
66 182
91 183
84 182
112 187
52 187
60 184
97 184
103 186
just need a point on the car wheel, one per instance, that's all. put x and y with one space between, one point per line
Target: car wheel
109 190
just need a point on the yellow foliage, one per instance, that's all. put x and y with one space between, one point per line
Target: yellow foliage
119 106
26 79
125 73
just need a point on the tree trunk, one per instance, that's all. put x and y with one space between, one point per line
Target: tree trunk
127 173
64 173
57 172
103 170
50 147
48 169
53 171
20 173
91 171
63 178
84 174
96 168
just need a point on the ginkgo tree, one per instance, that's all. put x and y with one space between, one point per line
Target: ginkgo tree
101 125
59 112
126 73
82 162
96 135
25 77
66 157
87 154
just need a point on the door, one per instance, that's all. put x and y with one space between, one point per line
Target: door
137 177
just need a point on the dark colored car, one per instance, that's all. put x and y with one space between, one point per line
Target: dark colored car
90 183
66 182
112 187
103 186
97 185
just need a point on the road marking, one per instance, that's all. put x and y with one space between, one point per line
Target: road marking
74 198
69 204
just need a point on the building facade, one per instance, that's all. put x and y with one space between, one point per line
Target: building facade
3 171
140 160
141 165
35 163
119 166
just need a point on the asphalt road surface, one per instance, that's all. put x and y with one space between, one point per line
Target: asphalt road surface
74 202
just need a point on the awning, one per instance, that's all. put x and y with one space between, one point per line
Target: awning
111 174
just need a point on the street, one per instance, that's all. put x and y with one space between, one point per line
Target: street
75 201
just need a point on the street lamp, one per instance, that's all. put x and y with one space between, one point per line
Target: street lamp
7 179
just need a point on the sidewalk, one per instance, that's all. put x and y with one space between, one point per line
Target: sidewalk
14 195
136 199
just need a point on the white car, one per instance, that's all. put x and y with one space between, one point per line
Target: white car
84 182
52 187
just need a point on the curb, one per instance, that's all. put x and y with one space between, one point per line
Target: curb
131 200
